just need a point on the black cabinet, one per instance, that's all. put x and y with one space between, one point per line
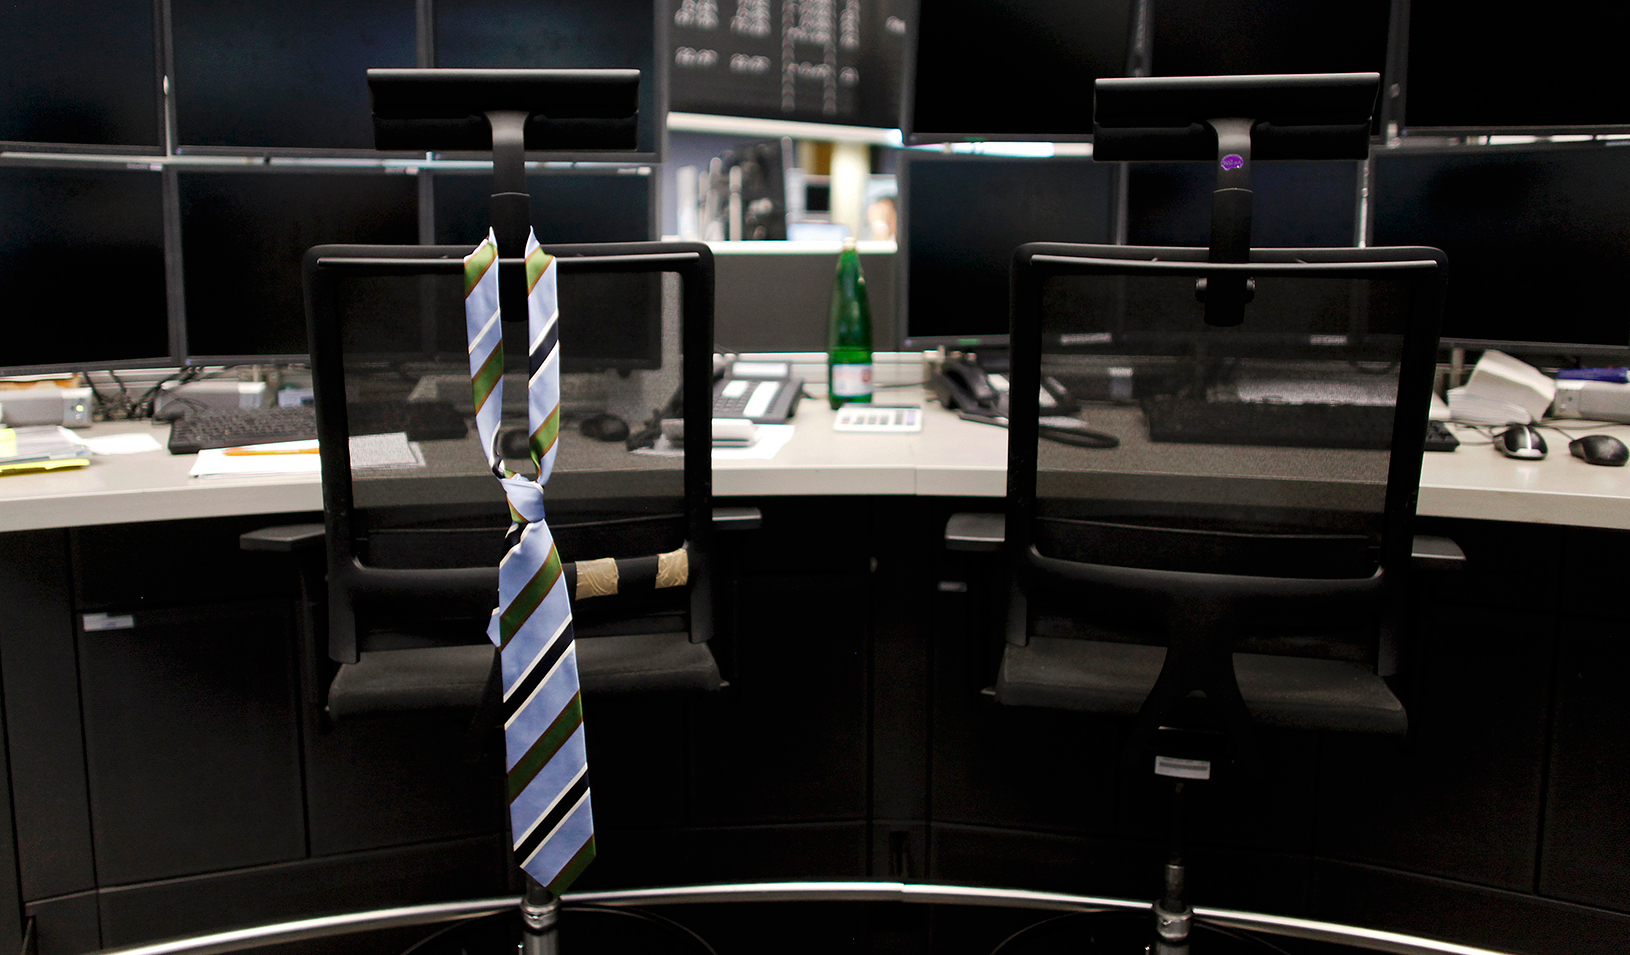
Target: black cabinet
172 771
191 746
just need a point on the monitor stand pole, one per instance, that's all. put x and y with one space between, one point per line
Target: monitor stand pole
1226 294
540 909
1174 917
511 209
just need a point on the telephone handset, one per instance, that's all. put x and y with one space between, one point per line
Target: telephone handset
981 396
965 386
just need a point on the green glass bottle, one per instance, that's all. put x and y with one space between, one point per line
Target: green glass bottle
849 334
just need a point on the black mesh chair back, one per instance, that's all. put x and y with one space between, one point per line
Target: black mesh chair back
416 520
1215 512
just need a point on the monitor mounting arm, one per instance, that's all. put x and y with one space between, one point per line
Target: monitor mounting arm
511 208
508 112
1225 119
1225 296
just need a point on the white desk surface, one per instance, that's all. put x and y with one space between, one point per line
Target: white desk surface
950 458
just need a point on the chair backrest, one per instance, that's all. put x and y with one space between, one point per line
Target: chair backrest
416 519
1264 481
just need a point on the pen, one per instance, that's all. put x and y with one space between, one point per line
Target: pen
1594 374
244 452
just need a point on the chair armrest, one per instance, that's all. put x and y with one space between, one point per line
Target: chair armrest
1437 554
978 533
737 518
286 539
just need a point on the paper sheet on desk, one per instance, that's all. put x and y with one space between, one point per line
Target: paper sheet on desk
771 438
368 452
280 458
134 443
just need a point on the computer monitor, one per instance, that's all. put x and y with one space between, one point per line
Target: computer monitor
962 217
82 263
608 205
1246 37
1538 241
1298 203
992 70
581 34
607 321
243 235
81 72
285 75
1538 71
831 63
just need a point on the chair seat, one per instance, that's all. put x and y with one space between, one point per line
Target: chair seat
1114 678
387 681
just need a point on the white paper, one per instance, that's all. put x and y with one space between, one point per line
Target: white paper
394 450
771 438
133 443
1499 377
279 458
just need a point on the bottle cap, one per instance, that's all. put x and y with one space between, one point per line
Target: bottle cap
848 243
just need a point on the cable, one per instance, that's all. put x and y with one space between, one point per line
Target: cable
1027 929
640 915
1239 936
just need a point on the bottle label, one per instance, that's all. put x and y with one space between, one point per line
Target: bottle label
851 381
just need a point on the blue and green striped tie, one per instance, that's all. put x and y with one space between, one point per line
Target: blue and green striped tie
548 782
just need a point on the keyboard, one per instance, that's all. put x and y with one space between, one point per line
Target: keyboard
239 426
1439 437
1269 423
421 420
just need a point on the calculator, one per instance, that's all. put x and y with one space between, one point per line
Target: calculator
879 419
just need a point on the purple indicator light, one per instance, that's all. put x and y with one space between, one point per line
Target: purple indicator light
1232 161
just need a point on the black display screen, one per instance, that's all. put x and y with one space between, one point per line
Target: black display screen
565 207
1248 37
812 62
989 69
79 71
1538 240
607 321
1296 204
291 74
243 236
82 262
964 217
1467 70
581 34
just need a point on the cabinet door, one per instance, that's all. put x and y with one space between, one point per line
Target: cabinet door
1586 853
191 742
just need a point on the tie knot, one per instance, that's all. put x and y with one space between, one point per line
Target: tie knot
525 498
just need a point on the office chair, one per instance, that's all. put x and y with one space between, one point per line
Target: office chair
414 521
413 550
1242 557
1237 549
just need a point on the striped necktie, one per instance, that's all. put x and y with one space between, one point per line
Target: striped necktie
548 782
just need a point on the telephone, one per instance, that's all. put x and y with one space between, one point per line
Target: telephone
980 396
966 387
760 391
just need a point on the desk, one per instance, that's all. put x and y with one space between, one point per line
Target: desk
819 761
949 458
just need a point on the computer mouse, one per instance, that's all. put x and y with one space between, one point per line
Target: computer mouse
512 444
1521 441
604 427
1603 449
